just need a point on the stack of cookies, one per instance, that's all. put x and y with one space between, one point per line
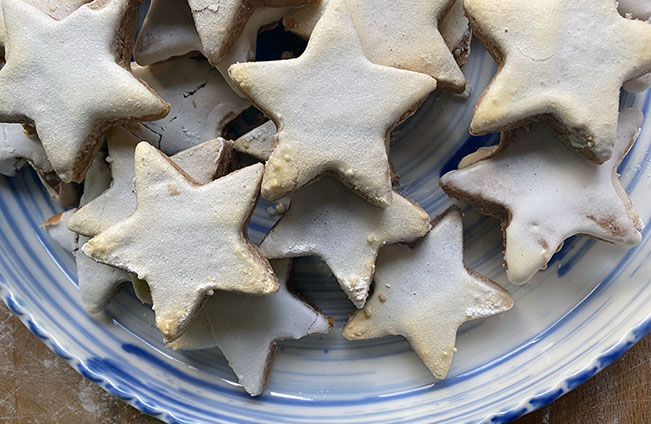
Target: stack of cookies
164 202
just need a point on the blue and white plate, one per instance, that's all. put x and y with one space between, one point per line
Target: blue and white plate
575 318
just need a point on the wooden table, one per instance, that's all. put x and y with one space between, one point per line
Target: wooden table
38 387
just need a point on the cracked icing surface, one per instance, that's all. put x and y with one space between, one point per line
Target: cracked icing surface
561 61
550 194
354 119
220 23
247 328
201 102
183 271
85 53
327 220
383 27
426 293
202 163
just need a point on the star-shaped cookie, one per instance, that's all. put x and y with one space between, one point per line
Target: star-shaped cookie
426 293
98 283
219 23
167 31
333 109
203 163
20 146
327 220
563 62
202 103
247 328
82 63
58 9
186 240
544 194
400 34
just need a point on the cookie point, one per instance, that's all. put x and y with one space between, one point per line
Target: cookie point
519 277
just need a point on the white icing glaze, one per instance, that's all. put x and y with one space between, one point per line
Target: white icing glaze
327 220
244 48
303 20
154 244
326 126
562 59
202 103
637 9
167 31
258 142
246 328
405 35
426 293
201 163
98 283
98 179
455 30
400 34
18 147
76 55
550 194
58 9
220 23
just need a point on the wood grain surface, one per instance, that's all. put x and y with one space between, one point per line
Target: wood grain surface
38 387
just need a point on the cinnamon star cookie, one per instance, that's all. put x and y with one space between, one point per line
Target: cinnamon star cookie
426 293
333 109
58 9
248 328
186 240
402 34
167 31
327 220
203 163
98 283
220 22
71 79
544 194
561 61
19 146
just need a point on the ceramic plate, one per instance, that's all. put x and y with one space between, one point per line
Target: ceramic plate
575 318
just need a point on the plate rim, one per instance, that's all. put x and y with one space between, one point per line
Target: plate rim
528 404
